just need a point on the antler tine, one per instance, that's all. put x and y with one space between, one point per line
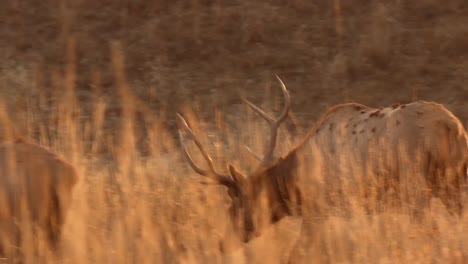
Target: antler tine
287 101
255 154
274 123
185 129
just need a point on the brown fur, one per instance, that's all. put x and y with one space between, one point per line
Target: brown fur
35 179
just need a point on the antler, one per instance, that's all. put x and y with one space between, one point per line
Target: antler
274 124
185 131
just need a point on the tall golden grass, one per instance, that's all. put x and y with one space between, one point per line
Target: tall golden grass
139 202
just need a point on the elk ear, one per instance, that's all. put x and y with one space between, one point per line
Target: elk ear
237 176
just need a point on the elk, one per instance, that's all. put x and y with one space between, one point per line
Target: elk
36 187
383 143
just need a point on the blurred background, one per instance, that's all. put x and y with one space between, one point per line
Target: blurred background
327 52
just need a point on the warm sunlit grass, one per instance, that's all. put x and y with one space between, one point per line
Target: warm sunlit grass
152 208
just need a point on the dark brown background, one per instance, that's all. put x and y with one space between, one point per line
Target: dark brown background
372 52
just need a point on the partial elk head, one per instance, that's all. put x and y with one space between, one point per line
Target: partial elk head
274 179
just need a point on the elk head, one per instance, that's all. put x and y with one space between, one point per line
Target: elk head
274 179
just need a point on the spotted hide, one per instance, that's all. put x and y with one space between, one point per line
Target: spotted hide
415 151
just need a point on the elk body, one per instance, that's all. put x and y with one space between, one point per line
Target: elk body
36 187
382 144
414 151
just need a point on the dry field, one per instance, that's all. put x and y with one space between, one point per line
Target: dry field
139 202
100 82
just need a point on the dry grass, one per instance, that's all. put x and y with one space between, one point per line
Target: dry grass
137 201
139 204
